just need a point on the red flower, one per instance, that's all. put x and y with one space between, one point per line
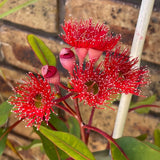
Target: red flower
86 34
115 75
33 100
128 76
91 86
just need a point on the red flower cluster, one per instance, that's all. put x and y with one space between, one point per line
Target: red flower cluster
115 75
103 84
33 100
100 85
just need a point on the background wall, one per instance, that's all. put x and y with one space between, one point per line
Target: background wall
44 19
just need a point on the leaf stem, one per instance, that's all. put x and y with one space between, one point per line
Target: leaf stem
108 137
90 123
143 106
63 86
63 98
51 126
10 128
65 109
79 118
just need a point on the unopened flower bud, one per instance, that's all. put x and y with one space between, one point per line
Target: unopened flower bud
81 53
51 74
67 59
94 54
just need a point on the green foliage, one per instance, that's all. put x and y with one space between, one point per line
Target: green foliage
74 127
2 141
15 8
137 150
34 143
58 123
146 101
5 108
116 153
157 137
153 146
70 144
52 151
43 53
3 2
142 137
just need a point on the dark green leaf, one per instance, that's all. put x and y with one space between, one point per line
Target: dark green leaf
52 151
58 123
142 137
43 53
102 155
137 150
70 144
5 108
3 141
157 137
74 127
146 101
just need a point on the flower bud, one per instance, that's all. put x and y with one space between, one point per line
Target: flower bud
81 53
94 54
51 74
67 59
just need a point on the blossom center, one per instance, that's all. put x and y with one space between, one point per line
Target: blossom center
37 101
92 87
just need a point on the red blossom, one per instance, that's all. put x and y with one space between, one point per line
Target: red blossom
33 100
115 75
86 34
129 78
90 85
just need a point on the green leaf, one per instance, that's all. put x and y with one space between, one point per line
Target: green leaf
58 123
16 8
70 144
142 137
116 153
43 53
152 146
74 127
34 143
137 150
157 137
5 108
3 2
3 141
102 155
52 151
146 101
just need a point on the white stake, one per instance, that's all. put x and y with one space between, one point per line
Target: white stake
136 51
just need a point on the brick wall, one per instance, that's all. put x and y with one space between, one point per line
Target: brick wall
44 18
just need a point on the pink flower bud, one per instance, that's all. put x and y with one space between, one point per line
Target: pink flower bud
94 54
51 74
67 59
81 53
